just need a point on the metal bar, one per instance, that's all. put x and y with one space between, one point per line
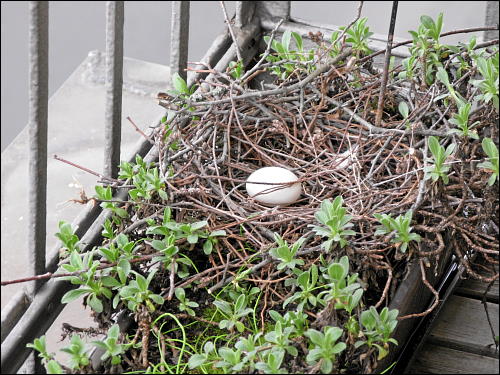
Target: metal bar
13 311
491 19
38 114
244 12
114 83
179 38
273 10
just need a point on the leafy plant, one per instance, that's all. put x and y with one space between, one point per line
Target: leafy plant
343 289
68 237
489 82
336 45
324 347
279 337
438 169
91 286
231 360
147 182
378 329
358 36
184 303
492 163
107 231
283 52
272 363
192 232
433 28
51 365
105 194
334 217
461 120
211 240
236 69
306 282
77 350
285 254
112 348
295 319
409 68
180 87
167 248
41 346
234 312
399 225
197 360
426 49
250 346
403 110
137 292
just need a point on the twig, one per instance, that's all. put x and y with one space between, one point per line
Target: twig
235 41
140 131
87 170
249 73
385 74
429 286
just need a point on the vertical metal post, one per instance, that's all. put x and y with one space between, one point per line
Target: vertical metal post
114 82
179 38
273 10
244 12
491 19
38 115
38 119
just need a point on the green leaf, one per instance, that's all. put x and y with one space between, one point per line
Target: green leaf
157 299
179 84
141 282
110 281
434 146
73 294
196 360
403 109
95 303
207 247
285 40
428 22
180 294
315 336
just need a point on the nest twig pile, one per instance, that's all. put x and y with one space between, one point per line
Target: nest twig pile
322 129
322 124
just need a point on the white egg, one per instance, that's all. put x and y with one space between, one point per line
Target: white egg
273 195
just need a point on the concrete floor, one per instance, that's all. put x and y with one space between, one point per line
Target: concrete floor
76 133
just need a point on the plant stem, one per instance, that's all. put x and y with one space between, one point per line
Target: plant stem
390 37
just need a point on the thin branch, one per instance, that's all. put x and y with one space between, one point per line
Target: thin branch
235 41
390 37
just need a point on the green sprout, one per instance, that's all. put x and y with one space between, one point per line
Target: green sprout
334 217
438 169
399 225
461 120
492 163
325 347
285 253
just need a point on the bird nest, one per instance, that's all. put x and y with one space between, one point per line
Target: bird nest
371 153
